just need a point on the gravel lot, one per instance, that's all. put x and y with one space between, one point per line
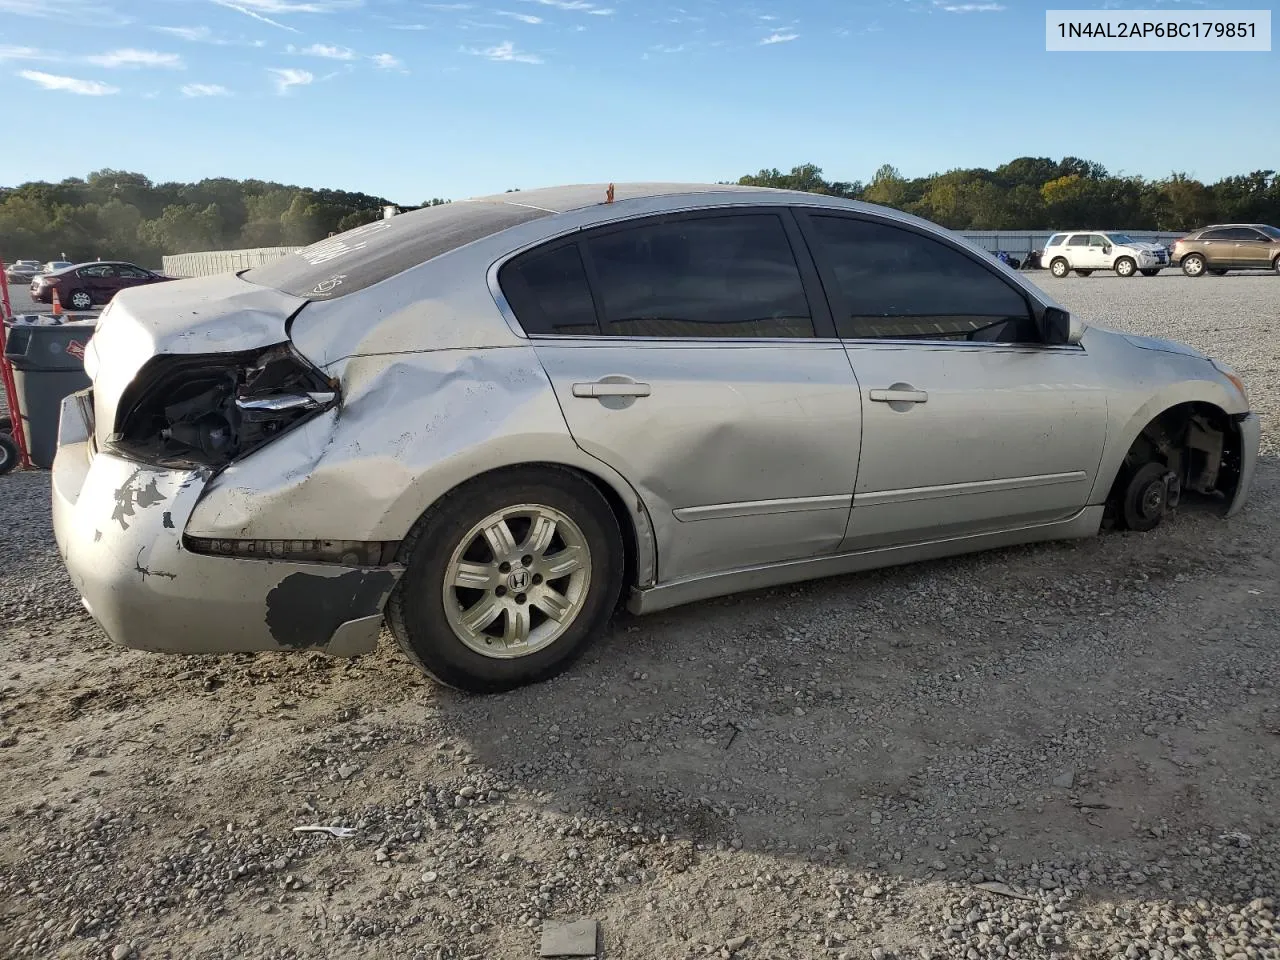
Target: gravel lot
1066 750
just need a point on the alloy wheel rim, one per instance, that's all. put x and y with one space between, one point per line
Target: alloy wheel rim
517 581
1125 268
80 301
1059 270
1194 265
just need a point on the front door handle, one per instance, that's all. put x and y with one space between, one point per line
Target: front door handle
899 394
606 388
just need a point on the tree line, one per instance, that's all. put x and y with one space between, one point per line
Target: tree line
115 214
1037 193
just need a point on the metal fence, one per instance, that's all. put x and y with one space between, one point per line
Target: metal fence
1023 241
222 261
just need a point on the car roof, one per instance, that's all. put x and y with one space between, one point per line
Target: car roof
1219 226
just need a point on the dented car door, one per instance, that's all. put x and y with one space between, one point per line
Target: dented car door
695 372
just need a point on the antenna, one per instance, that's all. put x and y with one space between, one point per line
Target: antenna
608 197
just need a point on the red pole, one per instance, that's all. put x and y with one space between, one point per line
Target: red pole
6 374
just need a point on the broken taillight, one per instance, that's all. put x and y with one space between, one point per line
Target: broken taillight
211 410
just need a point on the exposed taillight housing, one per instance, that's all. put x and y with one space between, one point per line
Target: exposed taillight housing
210 410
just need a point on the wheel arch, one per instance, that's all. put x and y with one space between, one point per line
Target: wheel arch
1181 432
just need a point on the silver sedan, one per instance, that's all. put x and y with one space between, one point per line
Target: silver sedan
488 423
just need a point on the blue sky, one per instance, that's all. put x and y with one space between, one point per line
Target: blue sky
411 99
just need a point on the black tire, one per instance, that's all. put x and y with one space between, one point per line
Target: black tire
8 454
1218 272
416 609
1150 272
1144 503
1125 267
79 300
1193 265
1059 267
1084 273
1275 264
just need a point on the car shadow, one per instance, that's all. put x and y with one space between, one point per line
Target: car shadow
1100 702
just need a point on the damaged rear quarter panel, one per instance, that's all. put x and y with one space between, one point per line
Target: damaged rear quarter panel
411 427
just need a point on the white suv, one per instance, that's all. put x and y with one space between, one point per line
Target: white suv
1096 250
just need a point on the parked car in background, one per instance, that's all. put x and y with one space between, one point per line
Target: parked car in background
82 286
21 271
1087 251
489 420
53 266
1228 246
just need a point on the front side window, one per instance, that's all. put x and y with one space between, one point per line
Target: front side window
1243 233
713 276
100 270
893 283
1097 241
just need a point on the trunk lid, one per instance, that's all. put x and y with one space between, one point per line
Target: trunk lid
201 316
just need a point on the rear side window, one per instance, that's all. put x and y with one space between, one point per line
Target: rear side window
1055 240
367 255
896 284
717 276
1215 235
1078 240
549 293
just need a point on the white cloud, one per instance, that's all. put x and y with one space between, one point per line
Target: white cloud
205 90
257 16
409 26
522 17
447 6
299 6
582 6
66 11
386 61
287 78
25 53
129 57
969 7
505 53
326 51
87 88
779 37
194 34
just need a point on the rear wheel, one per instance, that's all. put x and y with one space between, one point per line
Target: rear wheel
1193 265
508 579
1125 267
1059 268
1083 273
80 300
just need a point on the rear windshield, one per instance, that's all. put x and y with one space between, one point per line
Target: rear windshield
366 255
1055 240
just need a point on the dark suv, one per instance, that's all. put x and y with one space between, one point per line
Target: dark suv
85 284
1228 246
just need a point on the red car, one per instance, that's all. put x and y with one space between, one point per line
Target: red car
85 284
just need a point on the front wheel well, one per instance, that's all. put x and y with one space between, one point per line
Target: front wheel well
1197 441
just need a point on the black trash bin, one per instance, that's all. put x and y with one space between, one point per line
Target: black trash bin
47 354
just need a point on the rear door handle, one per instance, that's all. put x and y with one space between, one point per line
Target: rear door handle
605 388
899 395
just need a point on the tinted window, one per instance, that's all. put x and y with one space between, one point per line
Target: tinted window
1078 240
896 284
1271 232
1097 241
549 293
1243 233
1055 240
730 276
1214 235
98 270
133 273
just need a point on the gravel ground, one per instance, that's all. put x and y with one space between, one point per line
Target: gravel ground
1066 750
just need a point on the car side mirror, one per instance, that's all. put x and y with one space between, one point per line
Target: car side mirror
1106 249
1061 328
